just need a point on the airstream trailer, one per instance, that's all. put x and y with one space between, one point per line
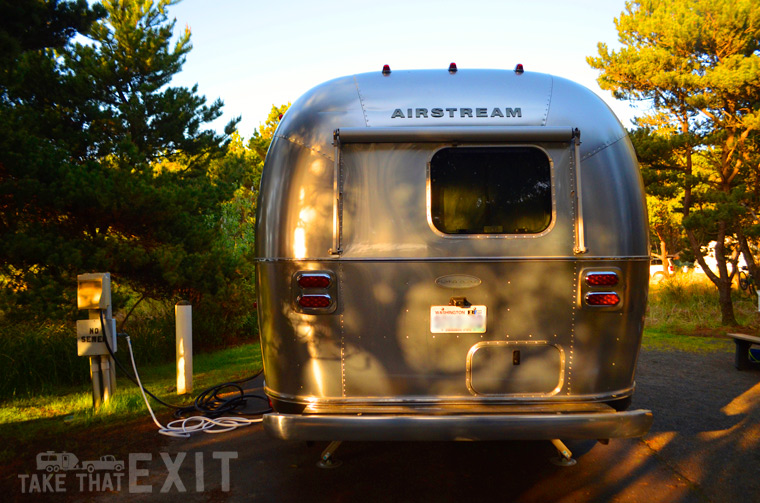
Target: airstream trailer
449 255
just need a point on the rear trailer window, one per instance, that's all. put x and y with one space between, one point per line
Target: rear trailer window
490 190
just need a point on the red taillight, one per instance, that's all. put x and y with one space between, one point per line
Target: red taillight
314 301
602 299
314 292
314 281
602 279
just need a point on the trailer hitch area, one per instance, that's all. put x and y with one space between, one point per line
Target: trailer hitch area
564 456
459 302
327 459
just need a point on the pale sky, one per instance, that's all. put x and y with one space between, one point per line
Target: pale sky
253 53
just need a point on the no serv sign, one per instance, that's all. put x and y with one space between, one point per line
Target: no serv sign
91 339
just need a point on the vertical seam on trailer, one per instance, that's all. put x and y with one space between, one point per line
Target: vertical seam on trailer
548 102
572 184
342 335
361 102
341 184
574 301
572 329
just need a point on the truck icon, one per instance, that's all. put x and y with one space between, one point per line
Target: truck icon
107 462
51 461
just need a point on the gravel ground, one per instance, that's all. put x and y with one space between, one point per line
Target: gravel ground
706 420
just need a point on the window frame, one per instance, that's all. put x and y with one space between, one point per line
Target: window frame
552 189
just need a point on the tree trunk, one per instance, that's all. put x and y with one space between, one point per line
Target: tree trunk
722 280
726 304
744 246
664 257
725 280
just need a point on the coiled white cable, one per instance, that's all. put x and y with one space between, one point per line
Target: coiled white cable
183 428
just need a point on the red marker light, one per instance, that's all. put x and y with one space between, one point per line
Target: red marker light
453 68
602 279
602 299
314 281
386 69
314 301
519 69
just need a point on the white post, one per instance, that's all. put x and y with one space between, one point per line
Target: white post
97 391
105 375
113 374
184 314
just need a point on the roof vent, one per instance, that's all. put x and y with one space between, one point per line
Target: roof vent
519 69
453 68
386 69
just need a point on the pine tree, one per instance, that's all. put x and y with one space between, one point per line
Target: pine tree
105 165
698 63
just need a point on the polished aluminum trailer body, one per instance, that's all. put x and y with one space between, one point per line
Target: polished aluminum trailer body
365 235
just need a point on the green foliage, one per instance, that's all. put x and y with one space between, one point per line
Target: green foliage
220 318
128 68
262 137
687 56
231 304
30 25
697 62
105 166
39 358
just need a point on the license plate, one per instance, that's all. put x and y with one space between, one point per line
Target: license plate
457 320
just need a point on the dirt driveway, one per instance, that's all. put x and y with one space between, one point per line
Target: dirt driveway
704 446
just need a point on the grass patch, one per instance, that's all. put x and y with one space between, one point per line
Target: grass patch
660 340
39 358
683 315
687 304
67 409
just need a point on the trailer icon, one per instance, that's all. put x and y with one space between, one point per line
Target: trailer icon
51 461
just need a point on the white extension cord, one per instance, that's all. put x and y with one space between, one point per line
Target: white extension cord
183 428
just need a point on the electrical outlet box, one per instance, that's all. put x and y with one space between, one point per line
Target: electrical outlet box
94 290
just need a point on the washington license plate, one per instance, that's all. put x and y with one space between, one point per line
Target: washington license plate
457 320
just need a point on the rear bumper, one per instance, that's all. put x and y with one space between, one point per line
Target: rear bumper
435 427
